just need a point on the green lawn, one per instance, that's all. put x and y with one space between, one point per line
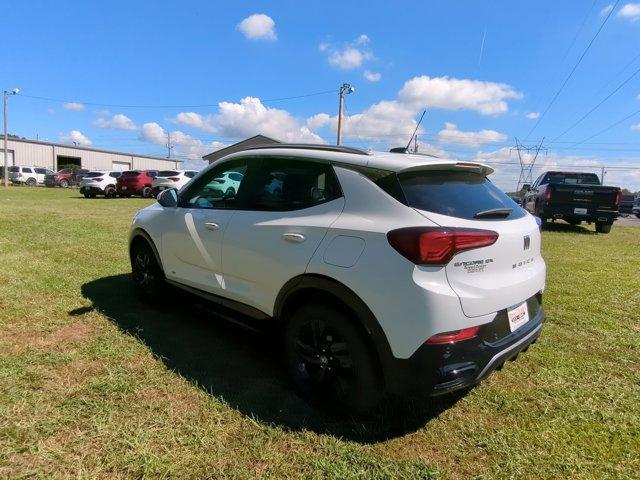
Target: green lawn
93 384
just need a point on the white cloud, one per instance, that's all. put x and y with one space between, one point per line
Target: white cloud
450 135
348 58
184 145
636 127
258 27
73 106
371 76
630 11
487 98
117 122
605 11
195 120
75 137
533 115
318 121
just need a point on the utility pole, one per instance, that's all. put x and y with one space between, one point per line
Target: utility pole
345 89
415 144
5 96
169 146
602 176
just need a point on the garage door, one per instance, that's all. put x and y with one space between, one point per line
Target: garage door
121 166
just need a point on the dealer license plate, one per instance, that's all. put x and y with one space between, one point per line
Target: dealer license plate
518 316
124 188
580 211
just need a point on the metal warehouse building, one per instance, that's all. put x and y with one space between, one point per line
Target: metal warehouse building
22 152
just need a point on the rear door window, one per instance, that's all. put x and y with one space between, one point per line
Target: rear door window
41 170
26 170
461 194
290 184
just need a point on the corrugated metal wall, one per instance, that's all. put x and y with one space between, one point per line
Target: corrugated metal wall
45 155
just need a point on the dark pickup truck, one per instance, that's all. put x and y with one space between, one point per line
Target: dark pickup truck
574 197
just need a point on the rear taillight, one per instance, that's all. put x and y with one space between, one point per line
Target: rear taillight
454 336
437 245
175 179
618 199
547 195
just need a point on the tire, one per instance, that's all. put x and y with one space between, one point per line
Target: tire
147 192
329 360
86 195
638 215
31 182
146 272
230 192
64 183
92 195
603 227
109 192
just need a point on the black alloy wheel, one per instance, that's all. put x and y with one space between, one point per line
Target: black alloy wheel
329 360
147 274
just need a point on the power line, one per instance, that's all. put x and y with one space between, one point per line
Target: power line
205 105
606 129
599 103
566 80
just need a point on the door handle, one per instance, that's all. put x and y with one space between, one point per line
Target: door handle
293 237
211 226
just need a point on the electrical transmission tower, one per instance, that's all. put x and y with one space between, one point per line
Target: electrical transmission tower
526 164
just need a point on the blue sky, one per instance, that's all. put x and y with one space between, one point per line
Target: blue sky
216 72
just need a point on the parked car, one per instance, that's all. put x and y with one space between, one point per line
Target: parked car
171 179
636 207
31 176
99 182
626 204
383 272
136 182
65 177
574 197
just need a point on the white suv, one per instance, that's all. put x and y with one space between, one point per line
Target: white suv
171 179
31 176
99 182
386 272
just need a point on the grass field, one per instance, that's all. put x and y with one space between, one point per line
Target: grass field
95 385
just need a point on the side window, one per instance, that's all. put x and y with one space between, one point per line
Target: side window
190 174
218 188
41 170
545 179
115 174
27 170
290 184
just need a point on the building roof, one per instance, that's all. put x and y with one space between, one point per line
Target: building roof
90 149
237 147
389 161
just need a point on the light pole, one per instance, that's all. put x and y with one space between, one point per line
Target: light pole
345 89
6 94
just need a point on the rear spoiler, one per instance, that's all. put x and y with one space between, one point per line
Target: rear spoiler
467 166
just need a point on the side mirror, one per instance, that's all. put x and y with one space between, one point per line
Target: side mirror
168 198
526 187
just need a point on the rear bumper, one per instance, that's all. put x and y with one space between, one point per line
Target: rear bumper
90 189
436 369
569 212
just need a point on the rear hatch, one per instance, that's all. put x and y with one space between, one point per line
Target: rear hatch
128 180
490 278
14 172
589 197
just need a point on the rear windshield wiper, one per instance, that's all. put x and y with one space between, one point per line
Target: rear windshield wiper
494 212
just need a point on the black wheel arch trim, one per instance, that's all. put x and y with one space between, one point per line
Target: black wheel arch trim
347 296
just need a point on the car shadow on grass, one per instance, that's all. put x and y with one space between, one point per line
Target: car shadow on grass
242 367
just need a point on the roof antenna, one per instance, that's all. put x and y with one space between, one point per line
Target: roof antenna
406 149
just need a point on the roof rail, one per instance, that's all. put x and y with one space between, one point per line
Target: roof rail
311 146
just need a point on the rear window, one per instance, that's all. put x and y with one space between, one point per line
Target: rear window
190 174
131 173
573 178
93 174
14 169
168 173
457 194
